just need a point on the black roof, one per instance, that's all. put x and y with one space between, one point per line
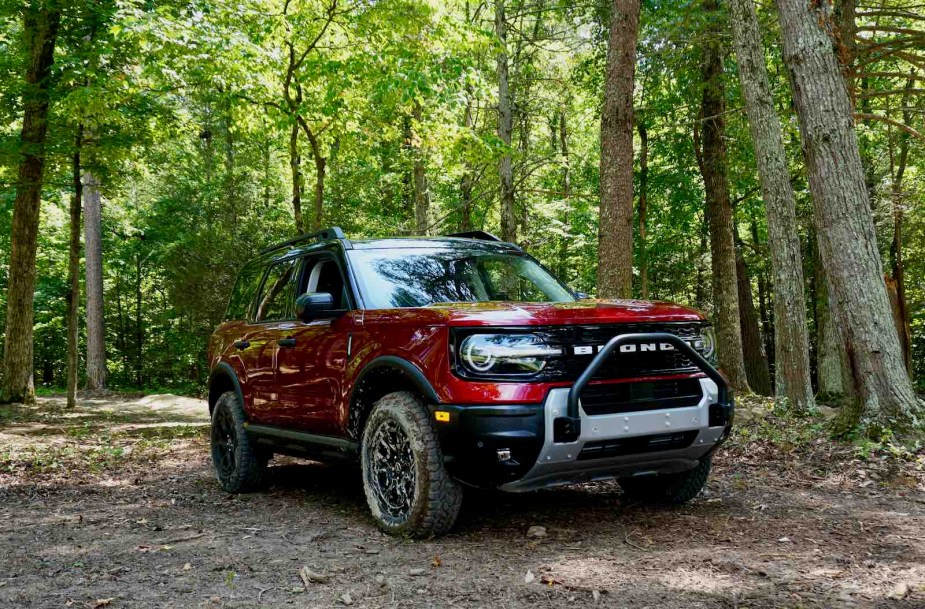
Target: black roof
325 239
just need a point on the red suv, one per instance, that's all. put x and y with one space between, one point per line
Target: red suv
446 362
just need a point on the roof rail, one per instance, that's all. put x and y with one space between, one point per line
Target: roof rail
334 232
476 234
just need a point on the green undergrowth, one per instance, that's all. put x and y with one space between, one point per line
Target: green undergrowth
763 421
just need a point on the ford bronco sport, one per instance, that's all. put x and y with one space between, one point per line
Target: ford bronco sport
440 363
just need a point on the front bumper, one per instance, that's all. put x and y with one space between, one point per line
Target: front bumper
652 442
526 447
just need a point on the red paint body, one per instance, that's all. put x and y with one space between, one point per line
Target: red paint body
308 386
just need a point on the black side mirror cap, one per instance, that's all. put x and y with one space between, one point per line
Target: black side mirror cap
314 305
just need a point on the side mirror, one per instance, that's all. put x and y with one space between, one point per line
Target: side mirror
582 295
314 305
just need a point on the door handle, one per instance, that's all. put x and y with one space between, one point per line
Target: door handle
242 344
286 342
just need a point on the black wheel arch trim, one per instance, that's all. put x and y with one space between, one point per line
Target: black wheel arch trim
393 361
224 369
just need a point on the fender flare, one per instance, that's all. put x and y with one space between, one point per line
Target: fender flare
393 361
224 369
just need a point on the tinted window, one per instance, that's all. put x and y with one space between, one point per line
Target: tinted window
245 288
417 278
276 295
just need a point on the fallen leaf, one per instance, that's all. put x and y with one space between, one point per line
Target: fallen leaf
900 591
784 540
529 577
536 531
416 572
346 599
437 562
103 602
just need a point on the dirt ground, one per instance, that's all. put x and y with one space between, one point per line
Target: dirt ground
114 505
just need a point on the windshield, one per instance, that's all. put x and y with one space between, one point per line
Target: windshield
420 277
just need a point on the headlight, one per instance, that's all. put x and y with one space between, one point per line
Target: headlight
505 354
708 336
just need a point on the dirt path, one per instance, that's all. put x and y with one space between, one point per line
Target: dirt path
115 505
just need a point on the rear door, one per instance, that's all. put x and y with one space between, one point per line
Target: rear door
311 364
273 314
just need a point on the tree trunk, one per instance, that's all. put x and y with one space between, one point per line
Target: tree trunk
897 195
560 140
421 195
756 361
96 323
139 324
73 276
643 207
40 30
845 226
615 232
791 337
466 183
719 207
832 371
295 165
505 129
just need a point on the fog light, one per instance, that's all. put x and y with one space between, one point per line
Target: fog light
504 454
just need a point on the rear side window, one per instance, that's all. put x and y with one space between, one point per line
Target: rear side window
277 294
245 288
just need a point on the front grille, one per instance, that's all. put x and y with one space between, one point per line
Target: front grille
603 449
640 397
618 365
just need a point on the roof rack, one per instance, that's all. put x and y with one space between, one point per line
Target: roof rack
334 232
476 234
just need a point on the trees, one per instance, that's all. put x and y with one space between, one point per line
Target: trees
719 206
844 225
615 240
791 339
40 31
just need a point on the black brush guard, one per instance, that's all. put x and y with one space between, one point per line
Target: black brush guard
568 428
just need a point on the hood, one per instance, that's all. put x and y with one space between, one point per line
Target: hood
584 312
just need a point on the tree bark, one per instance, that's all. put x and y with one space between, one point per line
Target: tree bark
96 322
505 129
791 337
73 275
40 30
295 166
643 206
756 361
845 226
615 232
719 206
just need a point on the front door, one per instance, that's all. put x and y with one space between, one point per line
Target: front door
311 363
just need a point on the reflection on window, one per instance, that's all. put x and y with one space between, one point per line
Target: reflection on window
417 278
276 295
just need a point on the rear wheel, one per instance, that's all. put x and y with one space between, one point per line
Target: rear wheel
239 465
407 487
674 489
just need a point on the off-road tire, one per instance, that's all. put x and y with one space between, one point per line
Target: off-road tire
248 468
673 489
437 496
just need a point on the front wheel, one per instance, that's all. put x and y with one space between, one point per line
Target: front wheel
670 488
406 484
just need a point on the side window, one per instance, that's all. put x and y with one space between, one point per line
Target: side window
323 275
245 289
276 295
